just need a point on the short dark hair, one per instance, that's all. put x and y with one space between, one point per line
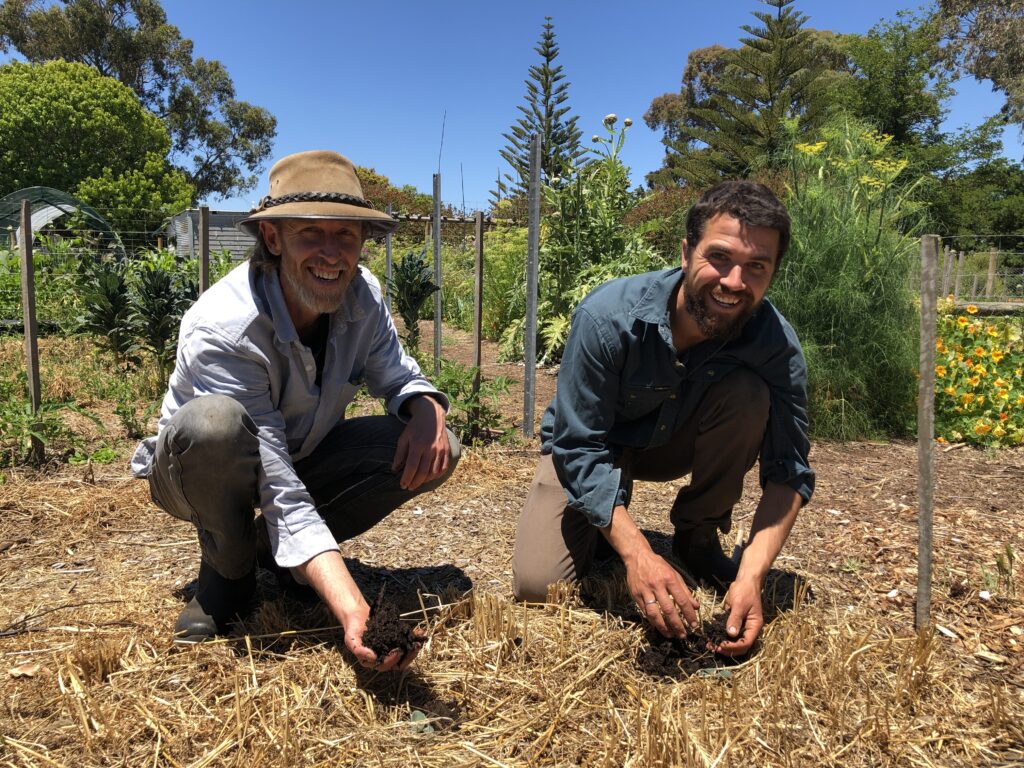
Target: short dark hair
752 203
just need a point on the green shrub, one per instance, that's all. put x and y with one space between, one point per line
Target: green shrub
474 417
844 285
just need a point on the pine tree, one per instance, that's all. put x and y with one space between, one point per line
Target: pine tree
774 76
545 112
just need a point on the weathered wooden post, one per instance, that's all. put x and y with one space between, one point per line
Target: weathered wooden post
437 274
28 309
926 431
387 266
990 282
204 248
532 261
478 317
947 270
959 275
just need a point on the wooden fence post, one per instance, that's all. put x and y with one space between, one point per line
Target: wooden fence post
926 432
437 274
204 248
532 261
478 319
959 275
947 270
990 283
387 266
28 308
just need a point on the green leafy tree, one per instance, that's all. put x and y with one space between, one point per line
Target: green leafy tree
66 126
546 113
984 38
219 142
729 121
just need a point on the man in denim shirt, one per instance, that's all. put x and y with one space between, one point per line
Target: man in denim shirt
680 371
254 413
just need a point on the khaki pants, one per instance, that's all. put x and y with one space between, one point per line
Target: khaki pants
718 445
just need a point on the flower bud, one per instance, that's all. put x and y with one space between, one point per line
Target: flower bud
595 138
627 122
609 120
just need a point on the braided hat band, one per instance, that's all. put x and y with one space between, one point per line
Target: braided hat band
313 197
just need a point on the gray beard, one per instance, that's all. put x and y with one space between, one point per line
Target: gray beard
306 295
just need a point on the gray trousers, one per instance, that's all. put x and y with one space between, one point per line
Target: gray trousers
206 467
718 445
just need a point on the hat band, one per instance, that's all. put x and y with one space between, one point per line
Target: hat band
313 197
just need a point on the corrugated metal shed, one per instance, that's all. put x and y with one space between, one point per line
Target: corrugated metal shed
183 233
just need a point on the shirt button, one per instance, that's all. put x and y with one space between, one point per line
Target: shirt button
671 397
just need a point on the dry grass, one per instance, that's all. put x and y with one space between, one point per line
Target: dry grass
93 575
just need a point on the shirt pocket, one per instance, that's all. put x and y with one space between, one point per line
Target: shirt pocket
638 401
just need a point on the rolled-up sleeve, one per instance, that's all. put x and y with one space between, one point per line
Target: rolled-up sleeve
588 385
216 365
785 451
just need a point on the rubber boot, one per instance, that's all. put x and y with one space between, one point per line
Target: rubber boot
217 602
700 552
303 593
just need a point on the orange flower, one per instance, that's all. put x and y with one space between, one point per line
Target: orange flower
997 355
1000 384
961 321
982 429
940 439
979 352
971 309
1004 416
950 390
974 381
940 371
967 397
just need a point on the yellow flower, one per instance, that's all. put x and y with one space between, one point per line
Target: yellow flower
940 371
1004 394
979 352
981 399
961 321
950 390
1000 384
967 397
982 429
974 381
1018 372
1019 400
999 431
981 370
940 346
997 355
991 331
811 149
971 309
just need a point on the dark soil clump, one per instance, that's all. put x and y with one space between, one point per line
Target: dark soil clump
386 632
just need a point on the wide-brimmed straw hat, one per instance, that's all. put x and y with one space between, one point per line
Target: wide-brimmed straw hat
317 185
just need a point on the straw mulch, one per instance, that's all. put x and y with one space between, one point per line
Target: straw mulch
93 577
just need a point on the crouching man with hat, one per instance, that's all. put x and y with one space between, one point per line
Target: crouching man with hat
254 413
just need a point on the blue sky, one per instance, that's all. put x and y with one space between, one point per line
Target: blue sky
374 80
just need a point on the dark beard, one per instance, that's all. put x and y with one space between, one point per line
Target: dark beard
713 328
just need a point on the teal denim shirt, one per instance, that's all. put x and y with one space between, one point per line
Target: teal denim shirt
622 385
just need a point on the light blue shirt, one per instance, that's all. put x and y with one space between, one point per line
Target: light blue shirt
239 340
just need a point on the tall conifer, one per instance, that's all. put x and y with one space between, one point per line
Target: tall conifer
545 112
